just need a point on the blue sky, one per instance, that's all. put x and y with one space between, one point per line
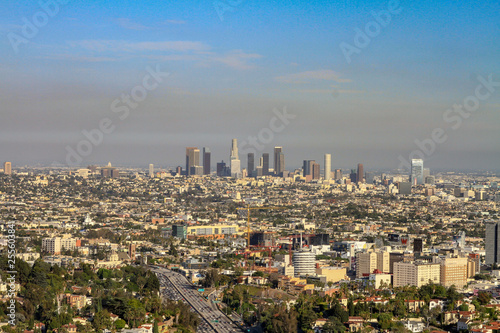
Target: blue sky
226 77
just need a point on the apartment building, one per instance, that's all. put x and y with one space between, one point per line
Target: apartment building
416 273
367 262
56 244
454 272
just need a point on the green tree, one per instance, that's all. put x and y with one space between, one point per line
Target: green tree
120 324
333 325
484 297
102 319
306 315
350 307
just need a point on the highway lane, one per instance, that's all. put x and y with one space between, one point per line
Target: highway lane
211 316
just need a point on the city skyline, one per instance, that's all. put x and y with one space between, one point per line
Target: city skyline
424 85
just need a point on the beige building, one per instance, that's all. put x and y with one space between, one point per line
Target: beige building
380 279
214 230
454 272
7 168
367 262
332 274
416 273
56 244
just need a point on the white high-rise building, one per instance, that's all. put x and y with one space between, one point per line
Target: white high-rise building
235 160
151 170
328 166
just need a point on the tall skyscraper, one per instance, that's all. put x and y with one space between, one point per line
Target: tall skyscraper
306 167
7 168
235 160
360 175
279 161
192 160
250 164
369 177
206 160
492 243
315 170
265 164
328 166
281 164
221 169
417 171
427 173
151 170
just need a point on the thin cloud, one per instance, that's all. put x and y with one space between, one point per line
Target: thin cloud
123 46
237 59
175 22
329 91
130 25
71 57
308 76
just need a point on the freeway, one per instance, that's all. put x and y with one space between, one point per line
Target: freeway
175 285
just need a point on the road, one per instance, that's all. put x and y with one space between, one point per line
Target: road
176 286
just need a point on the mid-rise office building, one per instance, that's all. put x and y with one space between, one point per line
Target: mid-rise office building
218 230
404 188
418 245
7 168
179 231
369 177
304 263
110 172
417 172
492 243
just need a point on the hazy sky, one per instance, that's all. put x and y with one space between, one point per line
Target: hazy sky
231 63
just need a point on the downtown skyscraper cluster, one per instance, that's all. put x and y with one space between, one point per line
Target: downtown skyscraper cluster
199 163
